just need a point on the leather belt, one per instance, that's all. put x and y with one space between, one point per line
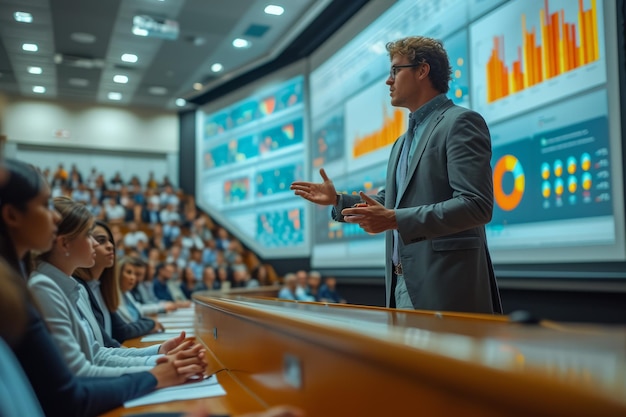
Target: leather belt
397 269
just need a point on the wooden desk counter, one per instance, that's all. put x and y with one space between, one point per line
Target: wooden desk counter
337 360
334 360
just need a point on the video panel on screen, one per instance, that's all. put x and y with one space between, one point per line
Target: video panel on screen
252 150
543 74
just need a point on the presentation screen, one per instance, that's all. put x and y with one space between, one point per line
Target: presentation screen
249 152
544 75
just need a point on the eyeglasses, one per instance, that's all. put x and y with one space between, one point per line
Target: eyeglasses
394 69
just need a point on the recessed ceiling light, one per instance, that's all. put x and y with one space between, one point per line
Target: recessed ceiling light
217 67
157 90
34 70
180 102
129 58
82 37
273 9
23 17
120 79
78 82
114 96
241 43
197 86
139 31
39 89
30 47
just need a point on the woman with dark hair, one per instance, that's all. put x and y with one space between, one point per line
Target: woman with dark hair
66 308
101 283
28 224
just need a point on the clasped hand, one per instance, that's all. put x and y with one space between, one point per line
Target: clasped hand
370 215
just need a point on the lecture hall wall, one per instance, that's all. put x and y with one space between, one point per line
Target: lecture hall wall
134 141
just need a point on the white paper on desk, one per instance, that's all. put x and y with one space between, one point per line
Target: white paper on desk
160 337
182 312
189 331
168 319
207 388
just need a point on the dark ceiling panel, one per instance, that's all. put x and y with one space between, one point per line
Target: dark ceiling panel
206 28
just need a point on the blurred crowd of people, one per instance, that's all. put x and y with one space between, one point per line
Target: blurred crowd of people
182 249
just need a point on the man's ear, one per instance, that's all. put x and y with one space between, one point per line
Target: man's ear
11 216
423 70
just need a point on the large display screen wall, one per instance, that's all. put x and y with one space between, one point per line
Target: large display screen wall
251 147
544 75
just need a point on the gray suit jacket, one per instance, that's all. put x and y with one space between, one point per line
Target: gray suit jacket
444 205
64 304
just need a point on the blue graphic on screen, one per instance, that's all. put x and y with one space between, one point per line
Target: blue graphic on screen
280 228
328 141
237 189
236 150
245 113
287 134
277 180
456 46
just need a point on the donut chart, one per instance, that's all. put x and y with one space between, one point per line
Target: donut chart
508 164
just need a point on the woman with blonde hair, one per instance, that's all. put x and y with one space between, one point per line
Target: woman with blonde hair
66 307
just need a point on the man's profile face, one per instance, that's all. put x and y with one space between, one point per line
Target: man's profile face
404 89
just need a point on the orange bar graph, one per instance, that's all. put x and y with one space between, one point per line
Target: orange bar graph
555 54
393 126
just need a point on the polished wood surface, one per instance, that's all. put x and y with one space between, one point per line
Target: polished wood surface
344 360
338 360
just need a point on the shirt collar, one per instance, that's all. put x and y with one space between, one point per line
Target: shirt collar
423 112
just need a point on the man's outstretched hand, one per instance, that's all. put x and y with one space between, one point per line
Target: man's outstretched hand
323 193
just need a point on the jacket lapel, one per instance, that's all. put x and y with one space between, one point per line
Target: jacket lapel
421 145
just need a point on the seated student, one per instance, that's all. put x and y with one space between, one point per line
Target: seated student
313 285
16 395
107 291
209 279
328 292
66 308
189 283
288 291
129 309
302 286
92 278
143 292
166 287
28 224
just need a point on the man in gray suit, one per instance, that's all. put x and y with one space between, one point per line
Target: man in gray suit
438 194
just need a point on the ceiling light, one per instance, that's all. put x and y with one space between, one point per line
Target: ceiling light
275 10
39 89
217 67
30 47
129 58
241 43
23 17
120 79
139 31
157 90
34 70
197 86
180 102
114 96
